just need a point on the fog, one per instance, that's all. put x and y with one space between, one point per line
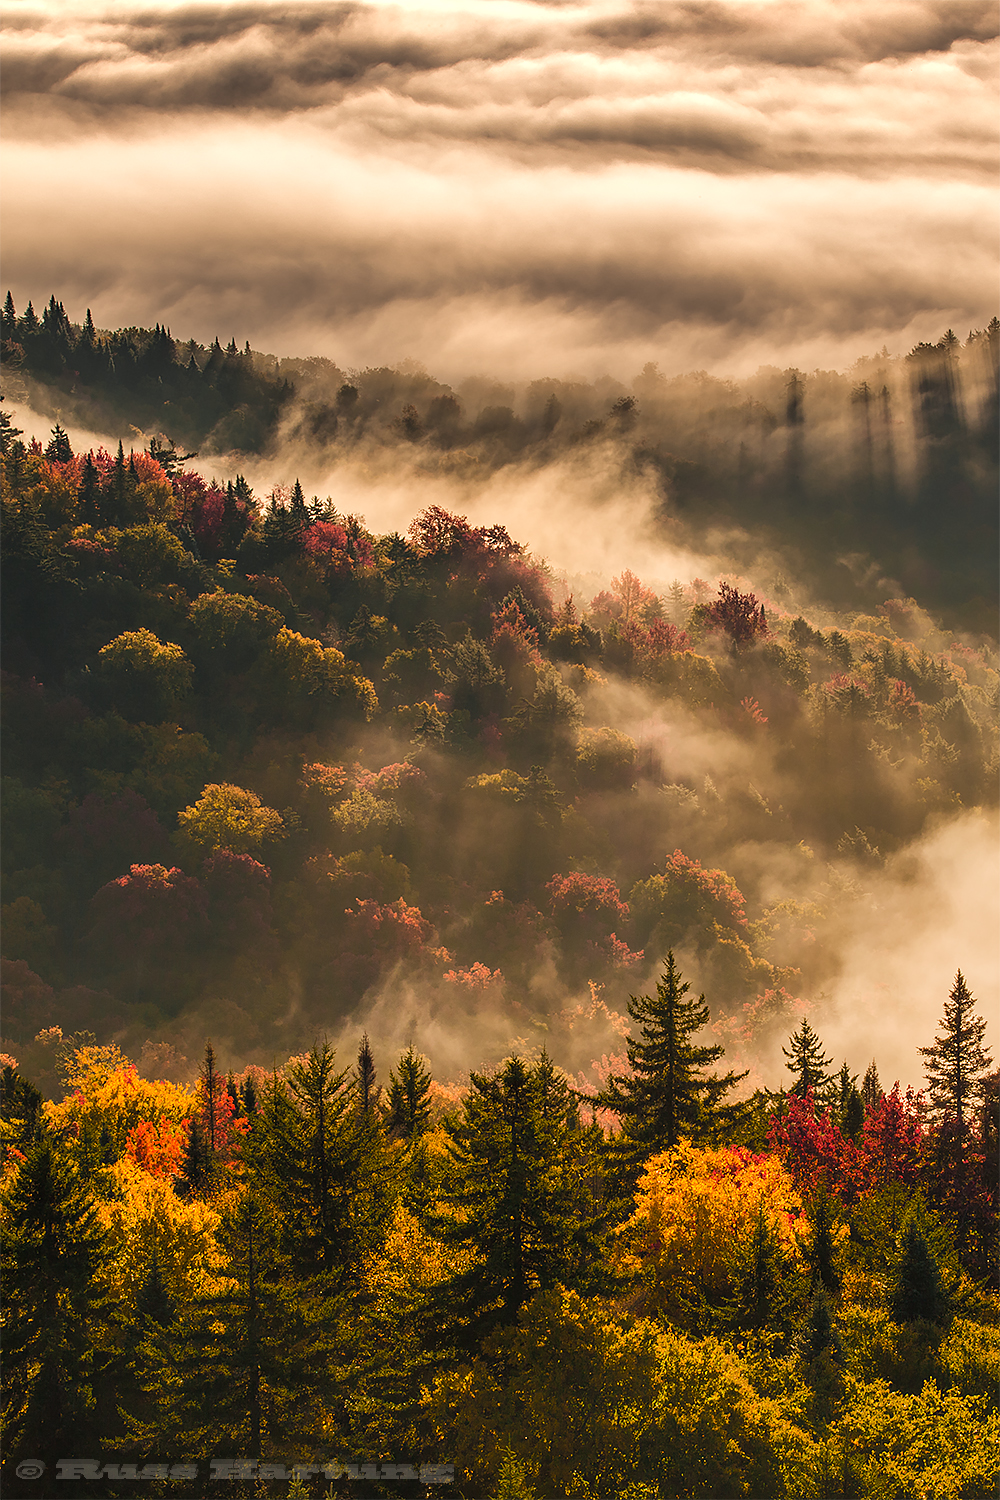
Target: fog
523 189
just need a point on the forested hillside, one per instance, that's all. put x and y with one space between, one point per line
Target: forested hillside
885 471
355 1104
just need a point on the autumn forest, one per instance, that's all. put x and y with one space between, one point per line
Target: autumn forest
469 1008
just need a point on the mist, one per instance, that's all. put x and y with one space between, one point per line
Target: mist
529 191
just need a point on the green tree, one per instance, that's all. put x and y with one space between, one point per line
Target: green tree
823 1258
957 1061
919 1292
366 1086
58 1335
669 1095
807 1062
768 1287
523 1188
409 1091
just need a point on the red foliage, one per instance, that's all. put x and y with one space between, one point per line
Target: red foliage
811 1147
893 1138
394 930
158 1148
323 538
477 977
586 905
487 555
741 616
710 892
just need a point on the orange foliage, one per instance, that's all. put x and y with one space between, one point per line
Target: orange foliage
157 1148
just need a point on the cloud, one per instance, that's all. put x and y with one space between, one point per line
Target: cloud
528 188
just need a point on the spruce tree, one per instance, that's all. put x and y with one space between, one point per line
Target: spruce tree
670 1095
409 1090
871 1089
522 1185
367 1089
57 1338
825 1272
807 1062
58 448
957 1062
919 1292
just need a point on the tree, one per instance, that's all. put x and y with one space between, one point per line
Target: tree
366 1087
409 1088
919 1292
807 1062
58 448
58 1312
142 677
669 1094
522 1186
871 1089
227 817
957 1062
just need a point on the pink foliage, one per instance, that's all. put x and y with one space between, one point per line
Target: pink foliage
323 538
741 616
586 905
477 977
394 930
711 890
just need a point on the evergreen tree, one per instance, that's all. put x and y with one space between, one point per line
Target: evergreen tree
241 1369
154 1304
22 1112
871 1089
196 1161
825 1273
367 1089
8 432
522 1183
89 493
325 1176
409 1089
820 1335
767 1285
807 1062
58 448
669 1095
57 1312
8 319
919 1292
957 1062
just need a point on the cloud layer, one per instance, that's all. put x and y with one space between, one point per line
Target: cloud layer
527 188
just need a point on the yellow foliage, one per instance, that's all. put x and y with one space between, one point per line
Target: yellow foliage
144 1218
693 1206
227 817
106 1090
594 1404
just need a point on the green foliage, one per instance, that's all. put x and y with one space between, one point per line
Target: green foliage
141 677
670 1094
228 817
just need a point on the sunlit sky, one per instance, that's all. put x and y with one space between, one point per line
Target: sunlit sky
517 188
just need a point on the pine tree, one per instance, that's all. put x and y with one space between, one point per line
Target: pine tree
669 1095
807 1062
409 1090
89 493
154 1304
196 1162
820 1335
8 319
522 1185
919 1292
957 1062
8 432
58 1315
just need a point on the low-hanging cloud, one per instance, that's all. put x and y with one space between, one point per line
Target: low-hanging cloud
531 189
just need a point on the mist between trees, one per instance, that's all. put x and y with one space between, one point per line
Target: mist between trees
275 775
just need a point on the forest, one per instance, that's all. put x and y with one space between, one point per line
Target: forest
434 983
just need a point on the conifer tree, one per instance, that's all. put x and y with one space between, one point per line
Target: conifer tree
8 318
825 1272
919 1292
807 1062
820 1335
58 1314
669 1095
767 1285
89 493
196 1161
154 1304
409 1089
367 1089
957 1062
521 1182
58 448
871 1089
